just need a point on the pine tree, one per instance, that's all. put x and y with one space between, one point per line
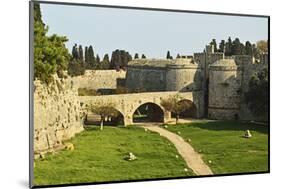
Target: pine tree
143 56
48 62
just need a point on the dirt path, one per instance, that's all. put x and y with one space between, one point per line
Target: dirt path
192 158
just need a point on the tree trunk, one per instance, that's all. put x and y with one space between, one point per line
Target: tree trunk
177 118
101 123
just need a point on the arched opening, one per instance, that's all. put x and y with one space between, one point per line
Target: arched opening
94 119
148 112
190 110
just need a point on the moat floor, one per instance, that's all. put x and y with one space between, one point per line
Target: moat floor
222 146
191 157
99 155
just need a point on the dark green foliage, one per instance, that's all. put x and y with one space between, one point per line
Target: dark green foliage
76 67
143 56
120 59
248 48
91 58
236 47
98 63
105 62
86 55
50 54
136 56
80 53
257 96
214 43
228 47
168 55
221 46
75 53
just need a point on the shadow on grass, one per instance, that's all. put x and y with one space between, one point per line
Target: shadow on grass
229 126
97 127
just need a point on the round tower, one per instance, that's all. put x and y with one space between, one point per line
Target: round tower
184 75
224 90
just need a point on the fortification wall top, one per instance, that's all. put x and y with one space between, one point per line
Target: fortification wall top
224 65
163 63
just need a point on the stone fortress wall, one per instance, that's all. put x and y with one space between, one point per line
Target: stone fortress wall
98 79
56 115
181 74
228 83
58 112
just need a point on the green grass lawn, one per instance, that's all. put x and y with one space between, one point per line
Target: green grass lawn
222 144
98 157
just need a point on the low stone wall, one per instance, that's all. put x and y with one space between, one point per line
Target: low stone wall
98 79
56 115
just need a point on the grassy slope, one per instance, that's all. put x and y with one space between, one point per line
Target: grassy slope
223 144
98 156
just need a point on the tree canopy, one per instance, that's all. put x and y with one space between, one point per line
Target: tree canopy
104 109
175 104
237 48
50 54
257 96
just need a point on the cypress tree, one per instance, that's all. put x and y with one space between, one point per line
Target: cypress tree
228 47
75 52
236 47
105 62
80 53
214 43
86 55
222 46
91 57
168 55
136 56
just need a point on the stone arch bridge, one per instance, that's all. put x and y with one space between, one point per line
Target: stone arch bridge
127 104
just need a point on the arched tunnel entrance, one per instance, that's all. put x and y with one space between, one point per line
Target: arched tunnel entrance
190 110
148 112
94 119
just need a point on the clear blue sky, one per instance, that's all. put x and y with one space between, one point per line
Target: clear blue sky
148 32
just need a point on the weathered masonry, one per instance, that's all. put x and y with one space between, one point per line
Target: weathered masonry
213 83
127 104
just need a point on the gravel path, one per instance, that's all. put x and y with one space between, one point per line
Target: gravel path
191 157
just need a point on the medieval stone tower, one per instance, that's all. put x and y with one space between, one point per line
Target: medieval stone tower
224 90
